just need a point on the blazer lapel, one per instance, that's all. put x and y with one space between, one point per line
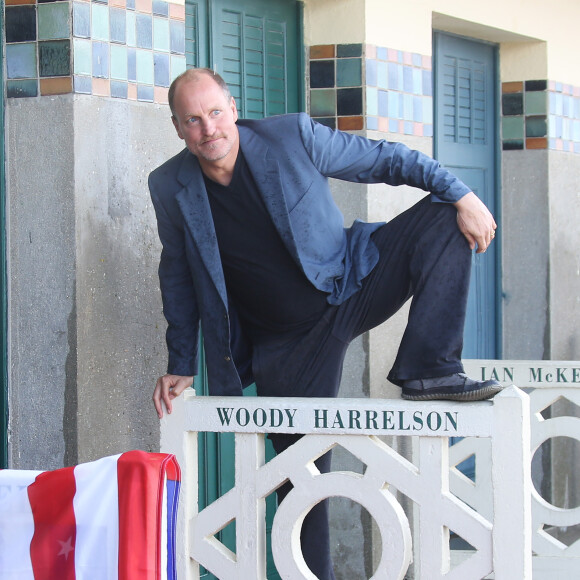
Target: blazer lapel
194 205
266 173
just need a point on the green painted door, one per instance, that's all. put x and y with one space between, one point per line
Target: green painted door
466 142
256 46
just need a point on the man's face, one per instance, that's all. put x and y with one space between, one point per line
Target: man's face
205 120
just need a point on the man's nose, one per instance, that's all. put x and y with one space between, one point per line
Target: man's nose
208 127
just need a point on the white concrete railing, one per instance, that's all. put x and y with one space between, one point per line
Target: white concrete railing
502 543
547 383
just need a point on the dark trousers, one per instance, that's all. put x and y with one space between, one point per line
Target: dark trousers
423 255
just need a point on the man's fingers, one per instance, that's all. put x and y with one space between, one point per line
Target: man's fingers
169 387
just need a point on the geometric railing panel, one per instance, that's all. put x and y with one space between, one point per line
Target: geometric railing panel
500 545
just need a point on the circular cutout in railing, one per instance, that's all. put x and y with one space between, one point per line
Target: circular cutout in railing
555 472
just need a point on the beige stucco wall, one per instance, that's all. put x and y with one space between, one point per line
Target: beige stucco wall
537 37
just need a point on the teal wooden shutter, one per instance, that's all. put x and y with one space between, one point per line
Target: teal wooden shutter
466 143
256 50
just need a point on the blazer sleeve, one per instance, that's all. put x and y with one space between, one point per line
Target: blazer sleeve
177 292
353 158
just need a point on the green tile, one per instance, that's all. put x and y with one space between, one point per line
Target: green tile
22 88
100 22
349 72
536 127
118 62
535 103
323 102
512 128
54 58
145 67
54 21
161 34
82 56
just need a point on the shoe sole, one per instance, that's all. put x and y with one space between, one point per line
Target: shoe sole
476 395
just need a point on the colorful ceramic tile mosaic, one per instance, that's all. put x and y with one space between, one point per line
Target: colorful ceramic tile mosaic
128 49
355 86
540 114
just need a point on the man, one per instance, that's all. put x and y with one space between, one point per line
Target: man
255 249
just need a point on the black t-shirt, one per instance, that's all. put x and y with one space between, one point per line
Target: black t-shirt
269 289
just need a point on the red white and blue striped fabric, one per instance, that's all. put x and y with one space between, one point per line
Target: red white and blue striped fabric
111 519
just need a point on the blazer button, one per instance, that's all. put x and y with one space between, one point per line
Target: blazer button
227 357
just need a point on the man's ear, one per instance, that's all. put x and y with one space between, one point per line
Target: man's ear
176 125
234 108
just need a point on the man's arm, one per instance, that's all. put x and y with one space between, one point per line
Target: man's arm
179 308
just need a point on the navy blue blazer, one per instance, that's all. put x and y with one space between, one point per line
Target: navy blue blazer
291 158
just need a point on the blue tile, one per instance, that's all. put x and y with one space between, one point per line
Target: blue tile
409 128
22 88
372 123
131 38
427 83
418 109
382 76
371 73
161 34
99 22
427 130
21 61
382 53
101 59
395 77
161 69
144 30
394 109
83 85
132 64
118 62
427 110
82 19
130 4
393 126
118 25
383 104
417 59
372 101
145 67
145 93
417 81
177 37
407 79
408 107
576 108
160 8
119 89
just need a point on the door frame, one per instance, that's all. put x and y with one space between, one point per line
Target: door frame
497 173
3 280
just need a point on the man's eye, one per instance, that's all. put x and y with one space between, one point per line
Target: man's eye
192 120
216 112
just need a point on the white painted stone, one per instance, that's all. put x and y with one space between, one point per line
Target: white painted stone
426 484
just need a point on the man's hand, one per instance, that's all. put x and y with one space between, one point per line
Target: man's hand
169 387
475 222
